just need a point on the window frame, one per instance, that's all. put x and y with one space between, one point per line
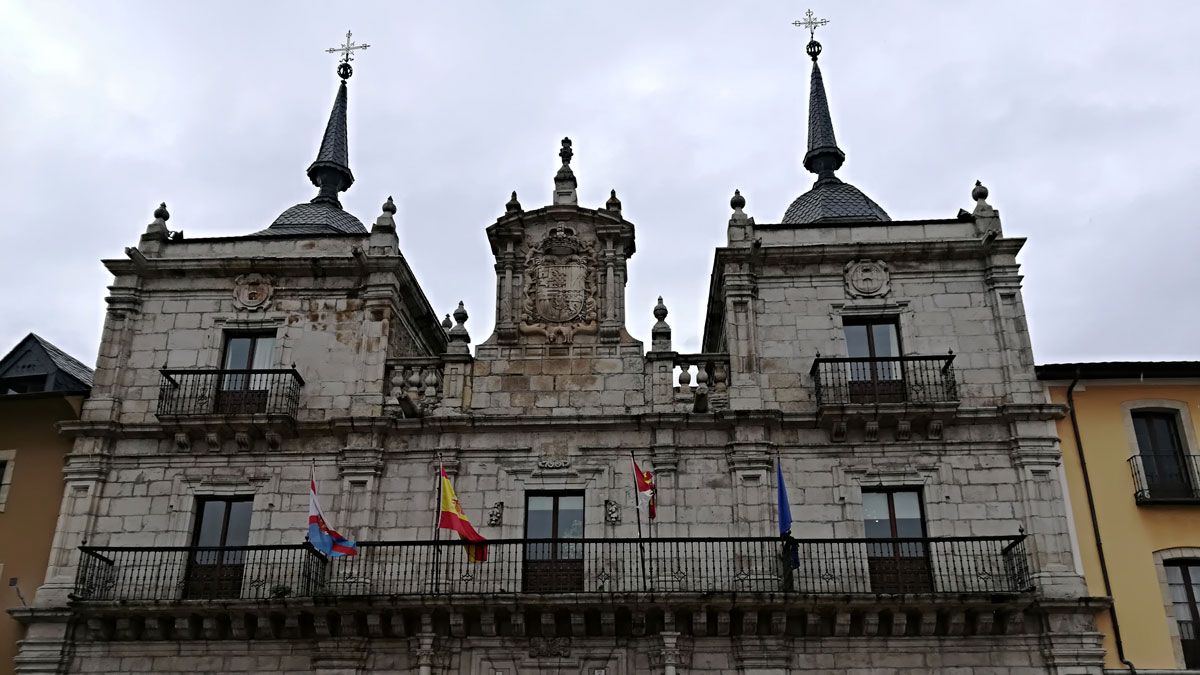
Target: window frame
254 335
198 521
1185 433
1193 603
869 321
890 490
556 494
8 467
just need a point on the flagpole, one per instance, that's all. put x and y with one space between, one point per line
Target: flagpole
437 514
637 508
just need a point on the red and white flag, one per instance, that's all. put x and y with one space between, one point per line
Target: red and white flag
646 489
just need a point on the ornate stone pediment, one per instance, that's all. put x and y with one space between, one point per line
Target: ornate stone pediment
560 288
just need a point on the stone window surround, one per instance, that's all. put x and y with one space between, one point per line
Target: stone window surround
9 458
214 351
183 516
1183 421
1161 558
897 311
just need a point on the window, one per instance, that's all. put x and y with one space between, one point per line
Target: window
877 373
7 466
1165 470
1183 580
896 566
244 393
23 385
221 523
554 565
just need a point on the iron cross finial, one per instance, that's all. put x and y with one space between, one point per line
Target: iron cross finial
347 50
811 23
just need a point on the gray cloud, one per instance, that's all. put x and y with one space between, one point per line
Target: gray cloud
1080 116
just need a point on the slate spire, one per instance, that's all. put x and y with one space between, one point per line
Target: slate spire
331 170
830 198
823 156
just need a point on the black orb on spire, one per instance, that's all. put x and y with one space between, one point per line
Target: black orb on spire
345 70
813 49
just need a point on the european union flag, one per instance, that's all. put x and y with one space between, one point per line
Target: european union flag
785 507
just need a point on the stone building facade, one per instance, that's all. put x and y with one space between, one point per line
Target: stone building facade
882 367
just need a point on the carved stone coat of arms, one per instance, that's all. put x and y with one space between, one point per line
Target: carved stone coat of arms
560 288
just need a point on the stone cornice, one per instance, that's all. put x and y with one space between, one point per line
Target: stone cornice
930 249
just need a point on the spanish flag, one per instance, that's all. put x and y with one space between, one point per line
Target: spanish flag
453 518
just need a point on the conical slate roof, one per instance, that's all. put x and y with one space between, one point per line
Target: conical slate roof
830 198
335 151
330 172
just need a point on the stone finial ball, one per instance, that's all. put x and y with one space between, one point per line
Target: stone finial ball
161 212
737 201
979 192
389 206
660 310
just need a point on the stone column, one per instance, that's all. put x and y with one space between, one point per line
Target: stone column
1039 491
750 456
741 317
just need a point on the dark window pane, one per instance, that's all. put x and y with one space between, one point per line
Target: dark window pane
539 522
237 353
237 532
1156 433
570 517
857 345
886 342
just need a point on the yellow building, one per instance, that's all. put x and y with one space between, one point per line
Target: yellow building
40 385
1129 448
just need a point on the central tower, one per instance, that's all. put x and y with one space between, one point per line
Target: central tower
561 270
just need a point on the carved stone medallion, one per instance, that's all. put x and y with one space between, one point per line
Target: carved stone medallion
253 291
867 278
560 288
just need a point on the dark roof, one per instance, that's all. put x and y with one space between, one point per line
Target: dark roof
830 199
64 361
833 200
820 122
314 218
1118 370
335 148
63 372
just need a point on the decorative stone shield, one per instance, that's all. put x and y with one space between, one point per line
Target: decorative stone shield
560 293
253 291
867 278
560 289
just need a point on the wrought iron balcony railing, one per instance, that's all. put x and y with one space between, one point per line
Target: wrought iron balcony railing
1165 477
974 565
193 393
893 379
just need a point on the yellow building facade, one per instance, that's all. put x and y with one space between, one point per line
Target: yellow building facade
40 386
1129 446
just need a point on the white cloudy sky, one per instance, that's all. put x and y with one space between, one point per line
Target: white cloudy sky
1082 118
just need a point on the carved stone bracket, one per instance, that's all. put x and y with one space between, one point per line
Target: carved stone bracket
495 515
612 512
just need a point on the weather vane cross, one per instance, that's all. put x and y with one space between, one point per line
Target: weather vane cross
811 23
347 51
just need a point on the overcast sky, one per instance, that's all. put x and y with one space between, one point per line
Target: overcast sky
1082 118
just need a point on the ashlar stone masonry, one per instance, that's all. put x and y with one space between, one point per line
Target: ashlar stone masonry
882 367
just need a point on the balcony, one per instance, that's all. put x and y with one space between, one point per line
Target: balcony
952 565
543 588
898 390
1165 478
196 396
